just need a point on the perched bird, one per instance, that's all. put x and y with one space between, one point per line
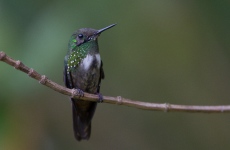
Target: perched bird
83 71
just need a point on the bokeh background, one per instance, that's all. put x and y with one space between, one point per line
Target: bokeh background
170 51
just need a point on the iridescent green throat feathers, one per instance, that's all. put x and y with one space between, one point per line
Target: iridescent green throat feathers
78 53
83 70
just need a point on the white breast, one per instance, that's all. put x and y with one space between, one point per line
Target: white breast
89 59
98 57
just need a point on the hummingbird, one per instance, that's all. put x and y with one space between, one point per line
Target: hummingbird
83 70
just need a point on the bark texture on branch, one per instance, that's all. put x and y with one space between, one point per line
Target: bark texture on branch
166 107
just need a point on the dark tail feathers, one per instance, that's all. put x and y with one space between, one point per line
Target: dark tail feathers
82 120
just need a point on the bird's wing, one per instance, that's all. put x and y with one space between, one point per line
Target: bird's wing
67 76
102 76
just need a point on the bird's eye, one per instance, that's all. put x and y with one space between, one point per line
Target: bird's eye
80 36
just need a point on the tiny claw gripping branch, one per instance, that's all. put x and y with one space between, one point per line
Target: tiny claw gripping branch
77 92
100 98
80 93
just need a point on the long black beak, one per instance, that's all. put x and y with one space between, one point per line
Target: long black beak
103 29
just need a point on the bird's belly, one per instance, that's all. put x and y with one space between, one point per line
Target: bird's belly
87 75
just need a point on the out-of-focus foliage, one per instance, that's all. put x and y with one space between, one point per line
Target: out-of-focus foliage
160 51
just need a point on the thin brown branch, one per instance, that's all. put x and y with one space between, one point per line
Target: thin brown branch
107 99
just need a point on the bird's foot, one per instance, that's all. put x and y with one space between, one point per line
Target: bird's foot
100 98
80 93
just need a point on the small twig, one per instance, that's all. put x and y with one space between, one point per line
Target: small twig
107 99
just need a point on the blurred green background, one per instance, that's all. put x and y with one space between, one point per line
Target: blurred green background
170 51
